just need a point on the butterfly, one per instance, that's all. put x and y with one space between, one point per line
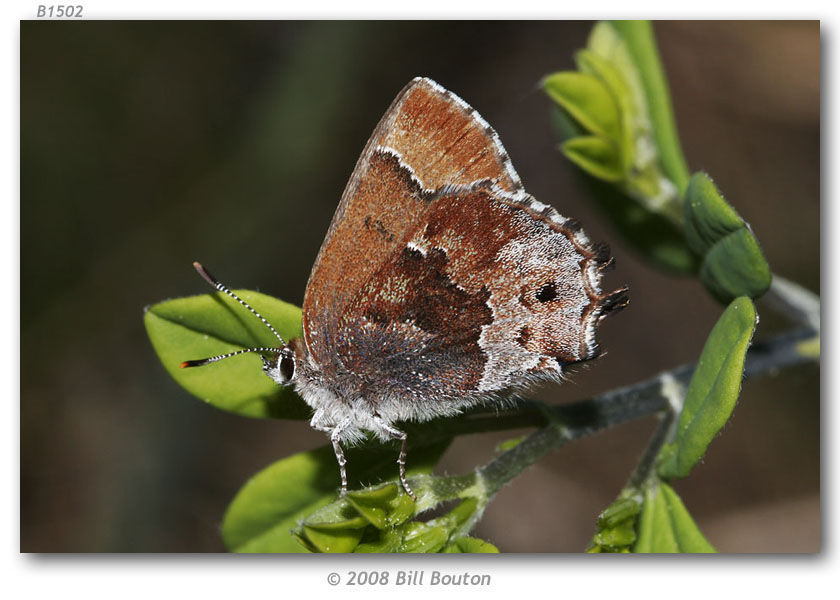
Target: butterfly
441 283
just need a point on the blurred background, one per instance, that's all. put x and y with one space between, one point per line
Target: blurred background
147 145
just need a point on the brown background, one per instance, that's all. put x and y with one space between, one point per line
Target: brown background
147 145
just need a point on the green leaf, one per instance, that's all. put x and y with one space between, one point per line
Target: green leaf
384 506
615 527
333 539
605 46
213 324
713 390
385 541
289 493
471 545
644 204
595 155
275 499
618 512
618 537
434 536
641 46
459 515
591 63
708 216
423 538
374 503
384 510
608 57
587 100
732 262
666 526
735 266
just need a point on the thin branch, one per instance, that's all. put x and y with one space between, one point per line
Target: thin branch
573 421
797 303
647 463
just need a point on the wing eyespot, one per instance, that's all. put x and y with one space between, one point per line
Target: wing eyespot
547 293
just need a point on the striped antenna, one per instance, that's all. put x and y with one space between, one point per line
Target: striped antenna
206 361
223 288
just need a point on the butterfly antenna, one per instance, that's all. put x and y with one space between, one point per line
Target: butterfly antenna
223 288
206 361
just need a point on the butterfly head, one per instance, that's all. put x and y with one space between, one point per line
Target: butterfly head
280 366
278 362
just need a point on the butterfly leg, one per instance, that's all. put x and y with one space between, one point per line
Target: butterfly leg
398 435
335 438
339 455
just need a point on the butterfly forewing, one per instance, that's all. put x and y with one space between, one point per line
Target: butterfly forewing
438 140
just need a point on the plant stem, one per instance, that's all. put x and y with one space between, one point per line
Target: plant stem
647 463
799 304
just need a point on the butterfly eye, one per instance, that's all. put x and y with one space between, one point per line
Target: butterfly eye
287 366
280 366
547 293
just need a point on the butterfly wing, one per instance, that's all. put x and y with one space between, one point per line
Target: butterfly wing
427 138
441 281
484 294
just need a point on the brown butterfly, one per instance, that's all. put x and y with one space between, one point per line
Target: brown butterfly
441 284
